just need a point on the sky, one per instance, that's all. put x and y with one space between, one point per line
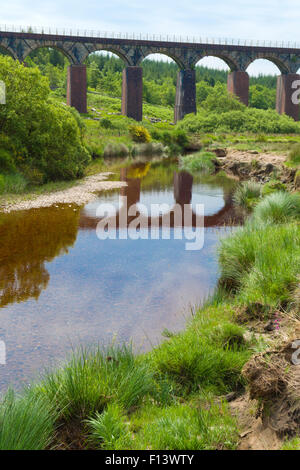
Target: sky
275 20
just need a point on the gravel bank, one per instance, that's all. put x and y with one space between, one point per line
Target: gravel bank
80 194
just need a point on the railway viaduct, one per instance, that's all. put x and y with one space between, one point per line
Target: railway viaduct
77 47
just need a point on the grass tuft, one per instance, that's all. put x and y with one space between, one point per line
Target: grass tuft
247 194
277 208
94 378
26 423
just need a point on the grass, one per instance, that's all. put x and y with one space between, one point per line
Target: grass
260 263
200 162
26 423
181 427
293 444
12 183
209 353
278 208
92 379
294 155
108 429
247 195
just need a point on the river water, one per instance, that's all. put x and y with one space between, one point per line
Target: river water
60 286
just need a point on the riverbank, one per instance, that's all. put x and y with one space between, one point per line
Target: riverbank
226 381
82 192
242 165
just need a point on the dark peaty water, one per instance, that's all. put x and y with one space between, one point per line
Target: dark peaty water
60 286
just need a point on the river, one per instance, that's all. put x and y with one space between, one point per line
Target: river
60 286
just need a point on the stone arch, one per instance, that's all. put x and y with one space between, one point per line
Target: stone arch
171 53
229 60
50 44
118 51
280 63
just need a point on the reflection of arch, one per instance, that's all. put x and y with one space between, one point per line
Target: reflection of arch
280 64
232 64
28 240
51 45
183 183
105 48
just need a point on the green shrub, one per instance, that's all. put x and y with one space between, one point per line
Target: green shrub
278 208
46 135
7 164
199 162
247 194
26 423
108 428
92 379
106 123
244 120
14 184
139 134
180 137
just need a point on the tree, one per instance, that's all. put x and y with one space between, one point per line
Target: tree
40 134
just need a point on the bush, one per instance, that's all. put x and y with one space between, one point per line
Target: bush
26 423
7 164
46 135
199 162
139 134
278 208
106 123
247 194
14 183
244 120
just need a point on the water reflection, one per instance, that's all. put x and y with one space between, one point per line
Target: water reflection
182 192
61 286
28 240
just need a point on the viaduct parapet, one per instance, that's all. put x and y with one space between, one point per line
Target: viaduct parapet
186 55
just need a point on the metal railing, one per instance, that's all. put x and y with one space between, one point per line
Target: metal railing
147 37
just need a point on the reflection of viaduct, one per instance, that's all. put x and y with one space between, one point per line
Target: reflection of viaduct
28 240
186 55
183 183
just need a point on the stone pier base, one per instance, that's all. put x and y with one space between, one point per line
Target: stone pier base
185 102
286 94
132 93
76 87
238 84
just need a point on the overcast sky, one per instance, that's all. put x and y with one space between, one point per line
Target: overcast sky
263 19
